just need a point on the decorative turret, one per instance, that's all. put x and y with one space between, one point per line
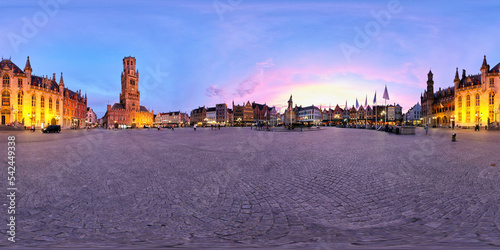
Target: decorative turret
28 70
28 65
456 80
485 68
61 85
485 65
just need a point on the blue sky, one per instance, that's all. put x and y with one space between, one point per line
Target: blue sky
195 53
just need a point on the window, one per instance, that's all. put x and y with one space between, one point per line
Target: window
20 83
468 101
477 100
492 98
6 81
459 117
459 102
50 103
492 82
20 98
467 116
132 82
42 102
57 105
5 98
33 101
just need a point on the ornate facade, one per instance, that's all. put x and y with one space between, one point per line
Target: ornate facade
128 112
29 100
472 101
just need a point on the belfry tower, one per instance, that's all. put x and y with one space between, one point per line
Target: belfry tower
130 96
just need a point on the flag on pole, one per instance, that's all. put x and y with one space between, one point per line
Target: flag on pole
357 105
265 114
366 101
345 105
375 99
386 94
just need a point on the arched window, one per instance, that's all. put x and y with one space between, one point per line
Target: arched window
5 98
477 100
57 105
42 102
6 81
50 103
467 101
492 98
33 101
20 98
459 102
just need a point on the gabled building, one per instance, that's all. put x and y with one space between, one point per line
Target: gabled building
30 100
198 116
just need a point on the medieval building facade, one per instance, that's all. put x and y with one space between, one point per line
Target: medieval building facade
29 100
128 112
472 101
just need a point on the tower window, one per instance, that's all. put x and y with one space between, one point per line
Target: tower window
20 83
132 82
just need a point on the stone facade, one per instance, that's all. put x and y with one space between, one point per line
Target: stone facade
29 100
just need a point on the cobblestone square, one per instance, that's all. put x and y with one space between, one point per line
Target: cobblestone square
238 187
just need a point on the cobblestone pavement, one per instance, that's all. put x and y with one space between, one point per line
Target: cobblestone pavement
237 187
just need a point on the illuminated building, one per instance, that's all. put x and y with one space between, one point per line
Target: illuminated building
38 100
128 112
471 102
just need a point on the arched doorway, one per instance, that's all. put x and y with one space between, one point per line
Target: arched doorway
53 121
5 116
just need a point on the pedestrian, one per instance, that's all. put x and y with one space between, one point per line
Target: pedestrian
426 129
195 127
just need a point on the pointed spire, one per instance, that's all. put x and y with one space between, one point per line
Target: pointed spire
485 65
61 81
28 64
456 75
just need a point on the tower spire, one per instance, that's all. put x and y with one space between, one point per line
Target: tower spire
457 78
485 65
61 81
28 64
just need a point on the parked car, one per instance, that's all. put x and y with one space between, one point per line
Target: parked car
52 128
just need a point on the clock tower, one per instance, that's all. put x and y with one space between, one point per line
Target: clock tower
130 96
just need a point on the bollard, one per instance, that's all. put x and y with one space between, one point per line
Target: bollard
454 137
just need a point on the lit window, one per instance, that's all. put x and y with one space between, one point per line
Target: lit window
5 98
50 103
20 98
42 102
492 98
459 102
33 101
20 83
6 81
477 100
468 101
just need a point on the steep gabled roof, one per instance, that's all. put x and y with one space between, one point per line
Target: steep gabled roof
11 66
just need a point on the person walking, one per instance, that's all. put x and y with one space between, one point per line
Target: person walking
426 129
195 127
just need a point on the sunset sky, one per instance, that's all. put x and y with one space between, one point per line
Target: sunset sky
195 53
